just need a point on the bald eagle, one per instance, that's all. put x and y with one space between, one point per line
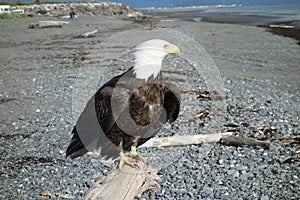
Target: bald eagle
130 108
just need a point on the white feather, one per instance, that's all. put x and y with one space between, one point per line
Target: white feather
148 57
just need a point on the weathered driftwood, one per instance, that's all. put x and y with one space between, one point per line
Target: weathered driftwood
239 141
280 26
290 140
125 184
52 194
204 95
183 140
48 24
130 182
89 34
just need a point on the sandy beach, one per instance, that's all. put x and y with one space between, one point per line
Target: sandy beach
41 69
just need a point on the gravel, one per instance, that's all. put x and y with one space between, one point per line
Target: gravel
41 70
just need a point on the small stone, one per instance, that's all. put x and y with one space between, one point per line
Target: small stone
181 191
264 197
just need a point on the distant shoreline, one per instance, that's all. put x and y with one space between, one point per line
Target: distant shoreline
275 24
187 8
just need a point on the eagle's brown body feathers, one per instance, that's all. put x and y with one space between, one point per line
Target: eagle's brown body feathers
130 108
148 105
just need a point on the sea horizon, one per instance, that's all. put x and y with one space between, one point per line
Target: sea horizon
282 8
161 4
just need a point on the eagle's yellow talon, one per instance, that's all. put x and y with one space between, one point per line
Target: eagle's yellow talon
133 153
143 159
132 159
124 160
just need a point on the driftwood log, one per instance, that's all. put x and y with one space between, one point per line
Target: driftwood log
129 182
125 184
183 140
48 24
239 141
89 34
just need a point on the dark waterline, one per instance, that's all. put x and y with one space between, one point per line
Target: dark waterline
286 19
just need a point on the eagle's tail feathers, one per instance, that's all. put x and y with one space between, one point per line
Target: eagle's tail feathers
76 147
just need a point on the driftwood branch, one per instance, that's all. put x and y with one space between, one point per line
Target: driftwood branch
131 182
183 140
204 95
89 34
125 184
239 141
48 24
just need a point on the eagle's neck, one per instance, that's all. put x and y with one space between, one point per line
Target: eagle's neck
147 63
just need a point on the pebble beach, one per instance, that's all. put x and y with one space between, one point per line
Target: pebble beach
42 71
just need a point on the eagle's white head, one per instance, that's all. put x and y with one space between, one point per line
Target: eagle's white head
148 57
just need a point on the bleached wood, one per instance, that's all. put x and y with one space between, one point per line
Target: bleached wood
54 22
130 182
280 26
89 34
125 184
240 141
182 140
48 24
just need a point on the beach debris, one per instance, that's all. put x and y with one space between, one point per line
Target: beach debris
267 129
48 24
184 140
239 141
126 183
232 125
290 159
4 100
89 34
133 181
210 96
290 140
280 26
204 95
199 118
51 194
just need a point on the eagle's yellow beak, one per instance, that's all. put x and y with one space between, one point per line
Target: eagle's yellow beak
172 49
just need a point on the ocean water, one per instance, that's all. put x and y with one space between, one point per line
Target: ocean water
186 3
289 9
288 12
190 3
273 10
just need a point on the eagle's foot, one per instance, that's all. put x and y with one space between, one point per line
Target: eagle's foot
132 159
124 160
134 154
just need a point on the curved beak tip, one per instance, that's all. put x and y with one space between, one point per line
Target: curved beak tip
173 49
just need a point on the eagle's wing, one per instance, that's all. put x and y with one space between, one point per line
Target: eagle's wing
96 120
